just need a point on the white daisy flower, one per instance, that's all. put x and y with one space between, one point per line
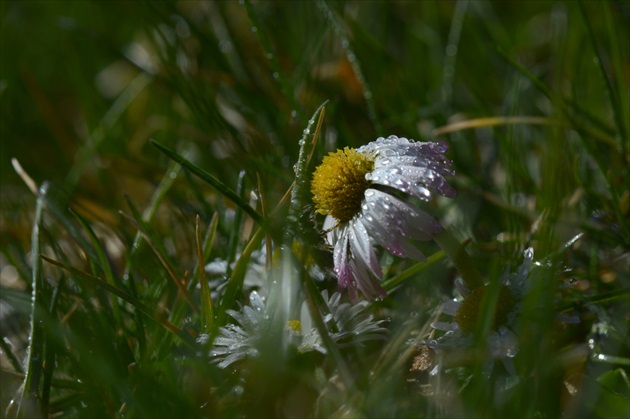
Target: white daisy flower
255 276
501 343
348 324
356 190
239 341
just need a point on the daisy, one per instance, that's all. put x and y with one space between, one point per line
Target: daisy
502 342
239 341
347 324
357 191
353 325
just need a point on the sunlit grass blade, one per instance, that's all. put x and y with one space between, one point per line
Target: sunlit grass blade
207 177
31 390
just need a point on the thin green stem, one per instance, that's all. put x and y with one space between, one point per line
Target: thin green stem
460 258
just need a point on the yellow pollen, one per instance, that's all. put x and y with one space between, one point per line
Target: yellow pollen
295 326
339 183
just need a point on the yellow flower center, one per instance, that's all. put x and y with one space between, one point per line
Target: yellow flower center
339 183
468 313
294 326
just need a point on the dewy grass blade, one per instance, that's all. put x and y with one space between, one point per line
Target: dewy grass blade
31 388
207 177
316 304
334 20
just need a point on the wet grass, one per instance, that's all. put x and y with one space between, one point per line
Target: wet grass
151 138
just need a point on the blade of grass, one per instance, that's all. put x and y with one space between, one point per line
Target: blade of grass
390 284
4 346
236 229
51 349
105 266
161 255
94 280
208 178
31 390
278 75
207 316
335 21
86 153
172 172
235 283
611 90
601 161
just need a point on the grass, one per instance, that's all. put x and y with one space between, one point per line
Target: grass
152 138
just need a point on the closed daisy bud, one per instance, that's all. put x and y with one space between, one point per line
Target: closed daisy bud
355 188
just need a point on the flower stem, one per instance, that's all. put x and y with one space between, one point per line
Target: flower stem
460 258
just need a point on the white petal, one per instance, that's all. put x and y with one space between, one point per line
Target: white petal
362 248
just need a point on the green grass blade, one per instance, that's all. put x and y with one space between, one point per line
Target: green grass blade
94 280
207 315
393 282
104 262
31 390
611 90
207 177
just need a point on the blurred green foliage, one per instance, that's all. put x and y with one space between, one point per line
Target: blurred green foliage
85 86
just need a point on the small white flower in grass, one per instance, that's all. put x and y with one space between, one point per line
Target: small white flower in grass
355 189
501 343
239 341
348 324
255 275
